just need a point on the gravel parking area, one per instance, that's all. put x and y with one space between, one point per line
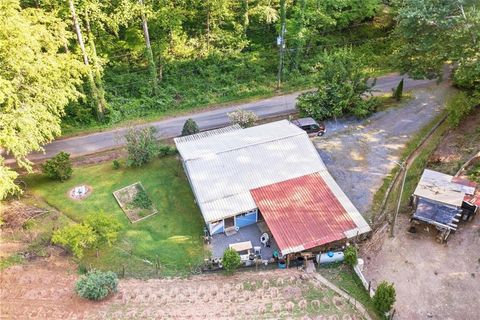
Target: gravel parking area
360 154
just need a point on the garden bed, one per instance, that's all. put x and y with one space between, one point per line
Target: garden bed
135 202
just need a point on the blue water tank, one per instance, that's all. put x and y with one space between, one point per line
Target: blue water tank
330 257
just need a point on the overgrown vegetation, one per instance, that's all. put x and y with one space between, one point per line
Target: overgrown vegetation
141 199
342 88
459 107
59 167
96 285
474 173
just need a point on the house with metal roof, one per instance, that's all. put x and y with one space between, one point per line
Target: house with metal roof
273 173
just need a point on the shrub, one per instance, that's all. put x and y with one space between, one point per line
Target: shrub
105 226
190 127
76 238
384 297
350 255
59 167
166 150
243 118
398 92
116 164
474 173
141 199
230 261
96 285
141 146
459 106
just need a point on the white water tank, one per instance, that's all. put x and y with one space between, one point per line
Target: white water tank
330 257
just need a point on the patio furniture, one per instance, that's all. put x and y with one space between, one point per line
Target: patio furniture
241 246
264 239
256 250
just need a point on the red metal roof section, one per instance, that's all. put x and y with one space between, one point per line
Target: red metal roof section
302 213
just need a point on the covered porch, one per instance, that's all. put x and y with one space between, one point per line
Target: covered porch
220 242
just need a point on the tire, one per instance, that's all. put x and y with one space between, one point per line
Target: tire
321 133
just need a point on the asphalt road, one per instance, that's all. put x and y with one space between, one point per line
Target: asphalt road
168 128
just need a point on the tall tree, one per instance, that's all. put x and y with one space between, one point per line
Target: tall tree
148 48
432 32
95 91
37 79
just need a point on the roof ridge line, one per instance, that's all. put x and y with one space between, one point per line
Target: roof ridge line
250 145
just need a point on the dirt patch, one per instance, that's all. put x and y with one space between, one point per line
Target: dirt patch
431 279
16 213
126 198
44 289
457 146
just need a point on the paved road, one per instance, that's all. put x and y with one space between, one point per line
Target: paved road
360 154
168 128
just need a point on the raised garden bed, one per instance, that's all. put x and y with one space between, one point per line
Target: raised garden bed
135 202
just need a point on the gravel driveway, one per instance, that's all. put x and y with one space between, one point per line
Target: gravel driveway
360 154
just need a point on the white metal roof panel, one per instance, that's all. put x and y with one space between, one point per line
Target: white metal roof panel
218 180
230 138
439 187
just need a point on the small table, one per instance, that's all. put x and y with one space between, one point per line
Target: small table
241 246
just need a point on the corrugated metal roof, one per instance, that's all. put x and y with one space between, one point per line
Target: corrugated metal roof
303 213
223 140
221 181
439 187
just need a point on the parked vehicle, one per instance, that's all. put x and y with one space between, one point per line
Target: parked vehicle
311 126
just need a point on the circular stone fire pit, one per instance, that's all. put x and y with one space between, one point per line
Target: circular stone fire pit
80 192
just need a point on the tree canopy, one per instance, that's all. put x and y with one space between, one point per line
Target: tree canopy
433 32
38 78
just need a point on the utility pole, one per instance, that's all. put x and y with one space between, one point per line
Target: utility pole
281 42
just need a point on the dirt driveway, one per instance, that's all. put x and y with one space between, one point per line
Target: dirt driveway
44 290
360 155
432 280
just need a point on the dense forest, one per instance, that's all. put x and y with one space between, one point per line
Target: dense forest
76 64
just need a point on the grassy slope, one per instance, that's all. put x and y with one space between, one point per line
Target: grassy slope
346 279
173 234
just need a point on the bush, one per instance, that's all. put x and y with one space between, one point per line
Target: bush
76 238
474 173
166 150
384 297
190 127
460 106
243 118
116 164
230 261
350 255
141 146
141 199
105 226
59 167
342 88
96 285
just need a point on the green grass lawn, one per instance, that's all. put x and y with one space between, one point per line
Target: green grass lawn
173 235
